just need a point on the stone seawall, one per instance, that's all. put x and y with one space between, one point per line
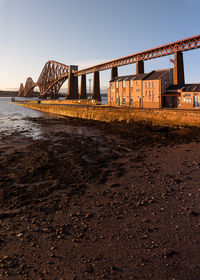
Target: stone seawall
107 113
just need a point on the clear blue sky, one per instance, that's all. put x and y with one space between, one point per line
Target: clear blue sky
86 32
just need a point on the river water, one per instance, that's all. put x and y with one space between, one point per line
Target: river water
18 119
15 118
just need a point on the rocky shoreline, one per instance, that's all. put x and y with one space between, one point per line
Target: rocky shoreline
92 200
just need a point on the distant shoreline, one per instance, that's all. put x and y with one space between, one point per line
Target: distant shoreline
36 94
7 93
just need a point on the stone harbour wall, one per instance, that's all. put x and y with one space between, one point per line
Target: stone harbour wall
169 117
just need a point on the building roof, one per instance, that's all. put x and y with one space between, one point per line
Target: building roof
184 88
175 87
128 78
191 88
154 75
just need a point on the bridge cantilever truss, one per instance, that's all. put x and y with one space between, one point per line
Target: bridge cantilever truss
52 77
29 87
27 91
21 90
54 74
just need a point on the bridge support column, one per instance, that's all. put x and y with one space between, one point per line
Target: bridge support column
179 78
96 87
140 67
72 85
114 72
83 91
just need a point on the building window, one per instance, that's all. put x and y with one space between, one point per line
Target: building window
196 102
131 100
123 100
117 98
146 93
149 95
149 84
117 84
123 84
136 83
131 83
152 95
153 84
146 84
187 100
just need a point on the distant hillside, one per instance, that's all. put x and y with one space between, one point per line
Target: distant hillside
7 93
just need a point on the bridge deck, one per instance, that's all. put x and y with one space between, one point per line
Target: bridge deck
168 49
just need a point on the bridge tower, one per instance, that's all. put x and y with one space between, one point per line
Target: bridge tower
139 67
83 91
114 72
179 78
72 83
96 87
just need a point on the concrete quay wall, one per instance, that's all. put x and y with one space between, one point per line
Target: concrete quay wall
106 113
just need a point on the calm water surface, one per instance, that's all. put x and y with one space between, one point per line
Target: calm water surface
14 118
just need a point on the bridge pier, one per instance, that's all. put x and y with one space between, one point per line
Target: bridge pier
96 87
83 91
179 78
72 84
139 67
114 72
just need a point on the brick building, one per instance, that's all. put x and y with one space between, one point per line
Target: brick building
140 91
182 97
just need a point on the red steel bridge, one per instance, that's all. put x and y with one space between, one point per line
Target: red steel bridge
54 74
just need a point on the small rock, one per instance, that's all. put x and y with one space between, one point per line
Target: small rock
89 269
145 221
194 213
170 253
117 269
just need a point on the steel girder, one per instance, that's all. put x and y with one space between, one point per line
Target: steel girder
168 49
21 90
29 87
53 75
27 91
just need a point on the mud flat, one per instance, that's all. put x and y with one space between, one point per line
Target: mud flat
94 200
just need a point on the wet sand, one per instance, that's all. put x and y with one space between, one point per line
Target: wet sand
91 200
